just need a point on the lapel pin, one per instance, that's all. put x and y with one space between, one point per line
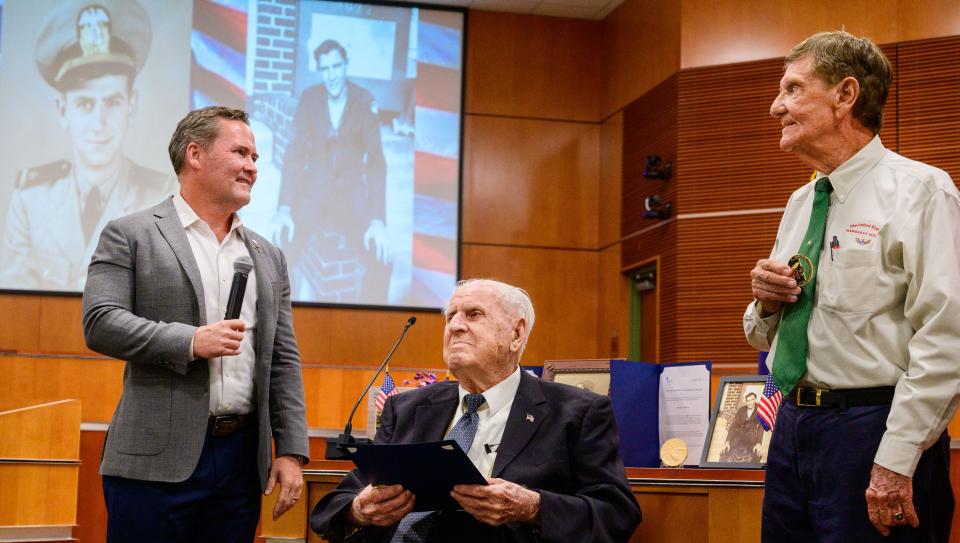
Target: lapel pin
256 245
530 418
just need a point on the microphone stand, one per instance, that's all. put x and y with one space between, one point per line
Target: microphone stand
336 447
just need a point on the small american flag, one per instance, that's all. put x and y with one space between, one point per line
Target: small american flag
768 406
387 389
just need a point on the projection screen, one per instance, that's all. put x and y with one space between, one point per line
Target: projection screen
356 109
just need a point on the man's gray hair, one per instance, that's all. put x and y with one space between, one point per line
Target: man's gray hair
201 126
514 300
839 54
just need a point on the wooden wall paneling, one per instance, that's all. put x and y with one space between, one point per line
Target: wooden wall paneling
929 112
927 19
362 337
535 67
641 48
61 325
613 310
19 323
658 241
890 131
331 392
611 180
743 30
715 256
530 182
728 145
96 382
649 128
562 285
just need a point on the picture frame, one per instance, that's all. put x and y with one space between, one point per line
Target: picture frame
589 374
735 438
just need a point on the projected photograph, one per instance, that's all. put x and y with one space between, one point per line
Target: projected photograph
79 82
356 110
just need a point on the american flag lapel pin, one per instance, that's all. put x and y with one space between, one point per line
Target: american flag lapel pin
530 418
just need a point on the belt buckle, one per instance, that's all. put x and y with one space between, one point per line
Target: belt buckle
816 402
224 425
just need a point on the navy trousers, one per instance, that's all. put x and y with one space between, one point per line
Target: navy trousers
818 469
220 502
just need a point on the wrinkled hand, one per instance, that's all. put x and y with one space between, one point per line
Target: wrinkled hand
221 338
381 505
282 223
287 472
377 232
499 502
890 493
772 285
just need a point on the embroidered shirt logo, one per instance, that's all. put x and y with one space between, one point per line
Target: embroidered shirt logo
863 232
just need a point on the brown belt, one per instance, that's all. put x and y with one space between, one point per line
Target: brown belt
225 425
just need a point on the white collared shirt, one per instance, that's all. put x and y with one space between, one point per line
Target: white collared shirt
887 301
492 421
231 377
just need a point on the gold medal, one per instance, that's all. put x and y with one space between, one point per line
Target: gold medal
673 452
801 269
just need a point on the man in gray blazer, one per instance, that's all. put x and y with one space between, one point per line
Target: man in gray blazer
189 447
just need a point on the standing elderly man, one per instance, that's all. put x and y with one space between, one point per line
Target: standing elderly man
550 448
864 339
189 447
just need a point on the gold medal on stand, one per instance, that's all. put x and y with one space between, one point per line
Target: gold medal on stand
801 269
673 452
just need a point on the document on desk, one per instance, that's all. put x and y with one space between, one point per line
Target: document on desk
685 407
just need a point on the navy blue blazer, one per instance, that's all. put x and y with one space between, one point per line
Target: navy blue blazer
559 440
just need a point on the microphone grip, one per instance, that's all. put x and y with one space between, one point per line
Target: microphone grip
235 300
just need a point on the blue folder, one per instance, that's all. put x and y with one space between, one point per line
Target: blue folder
635 394
430 470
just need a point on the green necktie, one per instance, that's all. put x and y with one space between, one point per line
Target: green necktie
790 361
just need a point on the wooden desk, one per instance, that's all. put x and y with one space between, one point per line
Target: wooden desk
689 505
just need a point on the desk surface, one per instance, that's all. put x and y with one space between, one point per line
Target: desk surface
637 476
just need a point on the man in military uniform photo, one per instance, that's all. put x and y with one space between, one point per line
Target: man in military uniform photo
90 54
333 196
744 435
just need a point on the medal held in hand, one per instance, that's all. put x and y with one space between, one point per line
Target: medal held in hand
801 269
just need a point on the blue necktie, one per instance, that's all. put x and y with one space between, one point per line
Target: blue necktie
415 527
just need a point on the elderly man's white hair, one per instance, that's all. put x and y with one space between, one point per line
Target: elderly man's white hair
514 300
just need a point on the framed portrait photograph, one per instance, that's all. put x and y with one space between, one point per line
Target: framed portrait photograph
735 437
592 375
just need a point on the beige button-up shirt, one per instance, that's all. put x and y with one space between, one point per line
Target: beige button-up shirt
887 302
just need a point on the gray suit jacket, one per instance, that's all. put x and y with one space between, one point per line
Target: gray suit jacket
142 303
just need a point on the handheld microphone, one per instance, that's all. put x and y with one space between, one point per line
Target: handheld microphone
241 269
335 451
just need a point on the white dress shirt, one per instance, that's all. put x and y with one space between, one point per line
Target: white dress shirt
231 377
887 302
492 421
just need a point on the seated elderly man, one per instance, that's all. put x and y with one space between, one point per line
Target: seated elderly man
549 450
